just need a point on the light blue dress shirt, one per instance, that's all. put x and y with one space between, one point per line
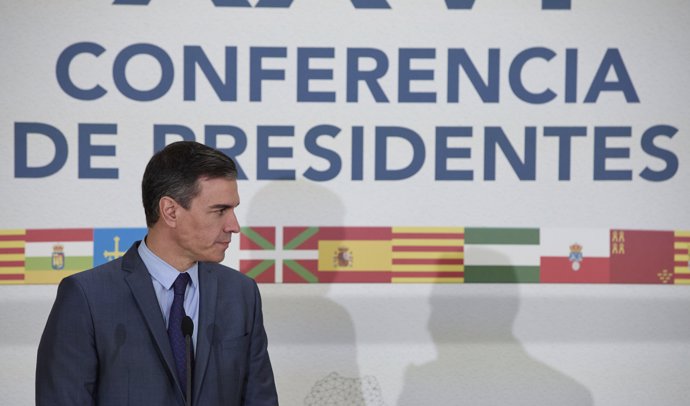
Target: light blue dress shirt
163 276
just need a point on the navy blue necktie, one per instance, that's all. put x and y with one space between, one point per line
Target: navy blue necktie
175 328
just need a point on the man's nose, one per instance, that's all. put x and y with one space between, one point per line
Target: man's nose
231 224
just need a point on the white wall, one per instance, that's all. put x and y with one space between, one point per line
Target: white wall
447 344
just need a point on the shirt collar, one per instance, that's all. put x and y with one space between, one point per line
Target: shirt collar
163 272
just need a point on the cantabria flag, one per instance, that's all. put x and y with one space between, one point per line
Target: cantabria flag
505 255
574 255
53 254
12 244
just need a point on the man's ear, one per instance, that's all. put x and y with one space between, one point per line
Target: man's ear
167 207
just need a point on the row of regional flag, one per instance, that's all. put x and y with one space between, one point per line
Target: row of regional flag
464 255
383 254
45 256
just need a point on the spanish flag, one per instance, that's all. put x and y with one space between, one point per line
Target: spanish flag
343 254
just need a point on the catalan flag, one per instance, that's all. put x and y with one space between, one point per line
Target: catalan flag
344 254
681 257
501 255
428 255
12 257
52 254
641 256
576 255
261 239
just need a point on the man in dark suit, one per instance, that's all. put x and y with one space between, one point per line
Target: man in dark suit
113 335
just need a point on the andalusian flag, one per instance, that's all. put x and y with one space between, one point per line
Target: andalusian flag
504 255
681 257
574 255
428 254
54 254
12 244
343 254
642 256
259 240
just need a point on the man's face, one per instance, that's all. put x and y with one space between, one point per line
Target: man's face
205 229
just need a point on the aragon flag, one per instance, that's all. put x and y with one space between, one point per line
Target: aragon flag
640 256
12 258
343 254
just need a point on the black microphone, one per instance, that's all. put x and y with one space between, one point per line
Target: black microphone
187 330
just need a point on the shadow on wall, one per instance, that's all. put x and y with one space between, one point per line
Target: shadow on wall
480 361
312 338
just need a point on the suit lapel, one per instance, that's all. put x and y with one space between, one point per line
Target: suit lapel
208 293
139 281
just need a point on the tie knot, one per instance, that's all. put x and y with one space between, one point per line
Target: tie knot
181 282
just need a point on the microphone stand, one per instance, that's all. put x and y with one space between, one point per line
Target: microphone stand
187 330
188 352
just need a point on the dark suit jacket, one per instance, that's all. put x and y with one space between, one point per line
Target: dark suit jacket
105 342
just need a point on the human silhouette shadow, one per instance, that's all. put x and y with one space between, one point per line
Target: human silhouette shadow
312 337
480 361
